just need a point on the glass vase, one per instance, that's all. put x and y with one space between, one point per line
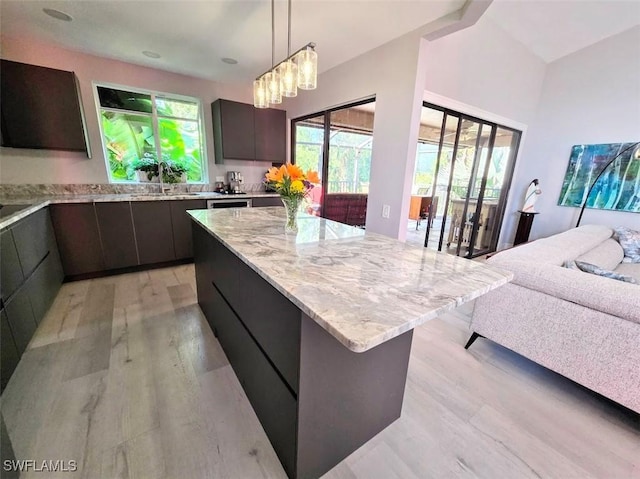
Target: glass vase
291 207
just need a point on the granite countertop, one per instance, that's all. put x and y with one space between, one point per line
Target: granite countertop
361 287
38 202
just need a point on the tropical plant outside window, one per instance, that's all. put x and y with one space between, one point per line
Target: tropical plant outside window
142 129
349 157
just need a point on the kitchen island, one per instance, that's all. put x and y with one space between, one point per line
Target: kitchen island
318 326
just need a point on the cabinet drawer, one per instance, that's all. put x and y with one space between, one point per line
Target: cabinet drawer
273 403
272 319
21 320
257 202
32 237
43 286
224 272
12 276
8 350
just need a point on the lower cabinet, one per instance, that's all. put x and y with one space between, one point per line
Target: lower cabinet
31 262
12 276
97 237
116 233
76 228
272 398
182 240
274 404
259 201
9 355
21 320
44 284
153 231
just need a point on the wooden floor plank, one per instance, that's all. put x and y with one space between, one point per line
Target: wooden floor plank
125 376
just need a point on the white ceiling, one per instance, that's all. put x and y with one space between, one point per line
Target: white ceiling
552 29
193 36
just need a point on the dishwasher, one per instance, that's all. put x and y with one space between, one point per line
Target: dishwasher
229 202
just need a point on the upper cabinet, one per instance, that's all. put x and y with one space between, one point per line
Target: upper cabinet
242 132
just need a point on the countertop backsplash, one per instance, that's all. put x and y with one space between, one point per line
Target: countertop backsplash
41 190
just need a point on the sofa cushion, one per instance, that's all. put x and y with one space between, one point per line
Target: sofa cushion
629 269
558 248
612 297
593 269
630 243
607 255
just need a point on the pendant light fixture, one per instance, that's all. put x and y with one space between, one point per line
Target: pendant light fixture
307 69
299 70
289 68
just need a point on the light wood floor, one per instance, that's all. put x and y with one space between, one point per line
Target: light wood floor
125 377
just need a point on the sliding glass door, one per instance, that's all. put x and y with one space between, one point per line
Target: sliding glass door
465 185
337 143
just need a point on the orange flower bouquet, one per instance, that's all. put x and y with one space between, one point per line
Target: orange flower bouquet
292 184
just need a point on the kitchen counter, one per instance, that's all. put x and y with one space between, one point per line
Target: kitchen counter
362 288
38 202
318 326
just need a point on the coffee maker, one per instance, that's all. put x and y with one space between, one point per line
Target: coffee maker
235 180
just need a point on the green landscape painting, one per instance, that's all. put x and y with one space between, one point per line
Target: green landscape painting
619 186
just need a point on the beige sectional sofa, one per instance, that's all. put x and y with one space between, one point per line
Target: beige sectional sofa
583 326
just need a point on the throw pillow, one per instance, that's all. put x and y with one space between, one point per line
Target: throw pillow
630 242
593 269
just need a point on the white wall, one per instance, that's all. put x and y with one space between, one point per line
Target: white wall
484 72
480 70
589 97
394 74
483 66
22 166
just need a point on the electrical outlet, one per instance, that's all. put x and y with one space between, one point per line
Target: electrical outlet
385 211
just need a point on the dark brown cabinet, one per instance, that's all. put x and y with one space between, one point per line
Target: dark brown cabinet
76 228
242 132
233 130
260 201
12 276
182 240
31 278
21 319
116 232
32 239
8 351
254 359
270 128
154 231
44 284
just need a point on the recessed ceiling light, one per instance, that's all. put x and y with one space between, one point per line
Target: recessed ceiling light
57 14
230 61
149 54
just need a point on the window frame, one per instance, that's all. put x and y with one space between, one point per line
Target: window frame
155 116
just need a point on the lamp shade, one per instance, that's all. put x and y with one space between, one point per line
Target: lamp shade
260 93
289 78
272 79
307 61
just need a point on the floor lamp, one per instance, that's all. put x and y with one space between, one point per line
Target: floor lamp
635 155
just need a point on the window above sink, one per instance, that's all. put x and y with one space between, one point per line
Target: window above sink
141 129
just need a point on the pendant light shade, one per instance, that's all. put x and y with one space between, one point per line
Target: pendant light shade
307 69
272 79
260 93
289 78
